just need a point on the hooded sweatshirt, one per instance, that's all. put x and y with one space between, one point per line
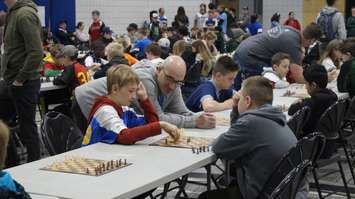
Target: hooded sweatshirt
10 189
277 81
338 22
257 137
22 43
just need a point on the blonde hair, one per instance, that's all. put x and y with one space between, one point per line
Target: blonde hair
121 75
333 45
210 36
4 139
179 47
259 89
207 58
114 49
124 40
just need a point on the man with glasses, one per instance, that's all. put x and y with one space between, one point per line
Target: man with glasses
163 89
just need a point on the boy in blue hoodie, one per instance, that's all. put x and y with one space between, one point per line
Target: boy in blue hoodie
9 188
257 140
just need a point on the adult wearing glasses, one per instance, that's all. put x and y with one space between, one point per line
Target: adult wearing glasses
163 89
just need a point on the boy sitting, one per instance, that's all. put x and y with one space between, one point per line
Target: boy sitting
51 67
111 121
257 140
316 78
280 67
74 73
215 95
9 188
346 81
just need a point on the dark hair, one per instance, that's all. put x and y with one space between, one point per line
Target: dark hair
316 73
312 31
80 23
225 65
331 2
291 12
132 26
181 11
62 22
152 12
95 12
160 9
183 31
348 46
211 6
154 49
278 57
259 89
253 18
204 5
276 17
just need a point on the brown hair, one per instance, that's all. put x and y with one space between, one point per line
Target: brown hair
4 139
179 47
121 75
114 49
210 36
259 89
312 31
348 46
333 45
225 65
278 57
154 49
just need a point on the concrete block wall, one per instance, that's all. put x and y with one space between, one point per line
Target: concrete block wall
119 13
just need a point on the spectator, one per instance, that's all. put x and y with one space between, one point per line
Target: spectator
131 31
81 36
210 39
173 36
201 17
163 20
106 36
20 66
222 18
275 20
141 43
237 36
154 29
350 24
63 35
331 16
180 47
181 19
292 21
211 22
96 26
245 17
254 27
164 44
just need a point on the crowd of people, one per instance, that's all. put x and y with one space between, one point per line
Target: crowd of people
158 77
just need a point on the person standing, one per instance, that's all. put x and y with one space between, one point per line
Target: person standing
20 67
292 21
350 23
201 17
96 26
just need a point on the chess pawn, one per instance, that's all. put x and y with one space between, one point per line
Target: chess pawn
125 161
87 171
193 150
117 164
120 162
47 79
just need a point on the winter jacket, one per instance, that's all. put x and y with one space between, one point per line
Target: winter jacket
22 43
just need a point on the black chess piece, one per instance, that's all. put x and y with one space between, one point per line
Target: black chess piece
117 164
193 150
125 161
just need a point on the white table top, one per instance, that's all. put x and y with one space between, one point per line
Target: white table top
48 86
152 167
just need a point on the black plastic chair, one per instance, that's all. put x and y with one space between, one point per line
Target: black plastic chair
288 188
298 121
308 149
347 134
60 133
330 124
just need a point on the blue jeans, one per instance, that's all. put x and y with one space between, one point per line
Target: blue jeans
247 70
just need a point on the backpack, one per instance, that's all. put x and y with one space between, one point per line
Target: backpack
325 21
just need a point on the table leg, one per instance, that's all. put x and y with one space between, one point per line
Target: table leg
208 170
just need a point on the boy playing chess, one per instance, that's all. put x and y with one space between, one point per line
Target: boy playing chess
111 121
9 188
280 67
215 95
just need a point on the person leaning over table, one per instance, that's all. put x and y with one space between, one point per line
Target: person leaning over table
163 89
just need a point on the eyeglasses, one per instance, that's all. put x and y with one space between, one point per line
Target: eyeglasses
172 80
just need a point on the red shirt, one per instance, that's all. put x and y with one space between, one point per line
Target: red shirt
82 75
95 30
293 23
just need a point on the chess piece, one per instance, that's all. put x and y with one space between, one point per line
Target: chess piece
188 140
87 171
193 150
166 140
204 148
208 148
197 152
107 166
120 162
125 161
47 79
200 149
111 164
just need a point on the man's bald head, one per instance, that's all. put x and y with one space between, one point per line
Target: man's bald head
175 66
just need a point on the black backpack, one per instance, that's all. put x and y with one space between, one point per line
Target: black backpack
325 21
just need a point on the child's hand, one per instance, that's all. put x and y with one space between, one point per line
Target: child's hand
141 92
171 129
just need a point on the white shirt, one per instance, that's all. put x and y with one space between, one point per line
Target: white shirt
82 36
329 64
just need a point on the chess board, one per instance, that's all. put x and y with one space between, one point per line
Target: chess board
301 93
223 121
86 166
184 142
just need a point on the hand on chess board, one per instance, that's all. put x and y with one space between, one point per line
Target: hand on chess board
171 129
206 121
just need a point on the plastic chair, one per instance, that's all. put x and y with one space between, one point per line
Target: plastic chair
298 121
60 133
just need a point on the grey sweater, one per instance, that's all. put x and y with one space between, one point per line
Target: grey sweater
173 109
256 140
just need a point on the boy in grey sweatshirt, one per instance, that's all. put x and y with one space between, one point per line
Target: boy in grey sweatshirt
257 140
